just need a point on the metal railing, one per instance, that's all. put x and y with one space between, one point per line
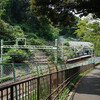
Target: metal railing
42 87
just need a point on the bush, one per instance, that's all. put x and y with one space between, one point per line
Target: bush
51 58
8 32
7 59
17 55
25 28
67 43
37 41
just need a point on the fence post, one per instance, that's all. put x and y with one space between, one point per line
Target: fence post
56 54
1 57
38 83
12 96
15 80
37 69
14 72
49 69
50 86
57 79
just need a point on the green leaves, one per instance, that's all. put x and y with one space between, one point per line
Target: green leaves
16 55
89 30
12 32
57 11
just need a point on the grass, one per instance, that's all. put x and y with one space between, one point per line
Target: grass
64 94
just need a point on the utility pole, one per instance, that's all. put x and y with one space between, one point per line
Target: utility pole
1 57
56 52
62 51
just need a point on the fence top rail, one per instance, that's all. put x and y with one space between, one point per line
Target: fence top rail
20 63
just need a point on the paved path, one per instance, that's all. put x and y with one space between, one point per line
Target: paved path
89 86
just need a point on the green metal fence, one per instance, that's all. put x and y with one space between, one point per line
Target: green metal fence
14 72
7 74
90 61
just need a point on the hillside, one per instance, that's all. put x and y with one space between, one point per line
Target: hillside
17 21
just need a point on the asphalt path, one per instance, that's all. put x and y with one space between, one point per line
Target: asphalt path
89 86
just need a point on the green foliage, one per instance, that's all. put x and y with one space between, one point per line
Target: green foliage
4 79
89 31
67 43
9 32
3 4
25 28
36 41
7 59
60 61
17 21
69 52
17 55
44 92
51 57
53 11
68 31
48 32
61 11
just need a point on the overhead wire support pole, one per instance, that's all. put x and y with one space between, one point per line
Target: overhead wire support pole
56 54
25 46
62 50
1 57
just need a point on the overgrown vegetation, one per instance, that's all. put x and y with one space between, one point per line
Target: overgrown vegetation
17 21
16 55
68 51
89 30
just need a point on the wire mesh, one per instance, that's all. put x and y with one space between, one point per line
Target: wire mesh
25 71
39 87
6 74
44 87
22 71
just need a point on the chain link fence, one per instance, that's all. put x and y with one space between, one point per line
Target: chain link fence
6 74
14 72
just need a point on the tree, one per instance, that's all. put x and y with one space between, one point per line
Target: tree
61 11
54 10
89 30
8 32
3 4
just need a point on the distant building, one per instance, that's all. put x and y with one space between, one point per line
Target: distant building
82 48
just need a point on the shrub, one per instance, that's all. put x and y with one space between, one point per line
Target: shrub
67 43
17 55
8 32
51 58
7 59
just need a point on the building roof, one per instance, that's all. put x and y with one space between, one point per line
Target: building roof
80 44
